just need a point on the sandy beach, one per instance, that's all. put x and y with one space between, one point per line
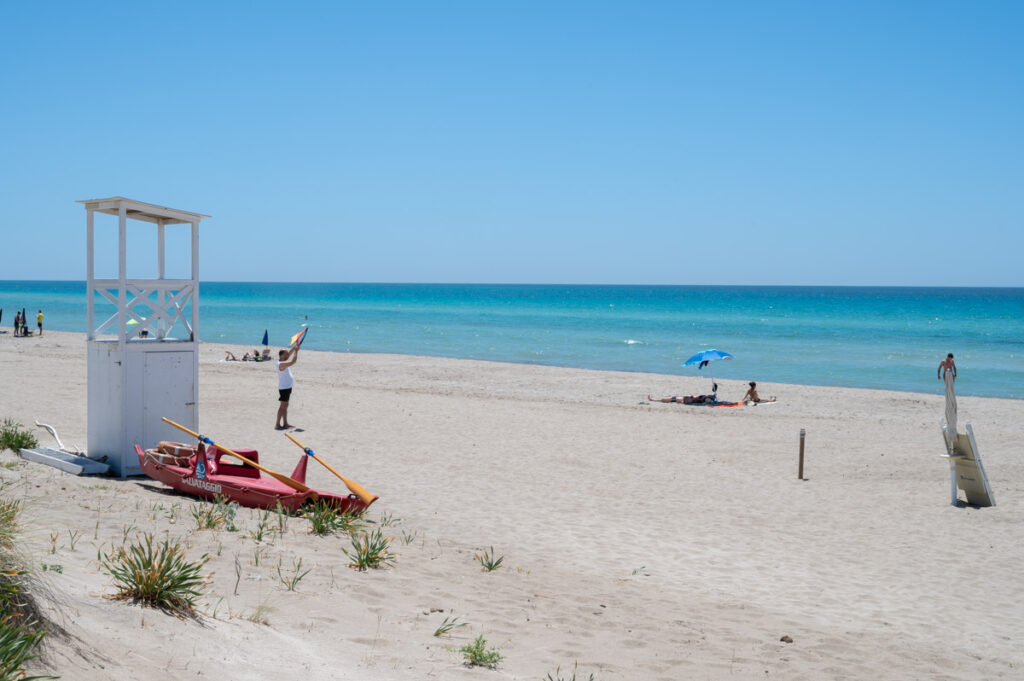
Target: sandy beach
643 540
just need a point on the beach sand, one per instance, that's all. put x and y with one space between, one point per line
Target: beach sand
645 541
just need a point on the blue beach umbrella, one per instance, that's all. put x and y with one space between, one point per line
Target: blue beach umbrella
704 358
265 338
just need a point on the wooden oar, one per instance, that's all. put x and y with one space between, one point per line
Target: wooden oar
353 486
294 484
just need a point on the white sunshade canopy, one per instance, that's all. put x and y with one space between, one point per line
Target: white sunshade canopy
147 212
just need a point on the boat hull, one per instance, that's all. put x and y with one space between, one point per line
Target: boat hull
233 483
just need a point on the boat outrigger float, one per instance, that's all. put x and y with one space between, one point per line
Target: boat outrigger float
200 470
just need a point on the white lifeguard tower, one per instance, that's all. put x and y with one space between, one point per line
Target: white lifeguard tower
140 372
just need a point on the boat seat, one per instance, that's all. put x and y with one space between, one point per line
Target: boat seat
226 466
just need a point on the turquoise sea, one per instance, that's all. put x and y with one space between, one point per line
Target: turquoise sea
888 338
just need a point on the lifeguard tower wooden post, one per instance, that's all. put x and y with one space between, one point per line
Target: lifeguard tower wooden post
140 372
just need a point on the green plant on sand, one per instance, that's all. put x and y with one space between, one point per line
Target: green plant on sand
292 582
449 624
558 676
13 437
157 575
370 550
488 561
477 655
213 517
21 624
325 519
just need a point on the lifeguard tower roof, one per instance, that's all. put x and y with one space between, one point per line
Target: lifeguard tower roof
137 210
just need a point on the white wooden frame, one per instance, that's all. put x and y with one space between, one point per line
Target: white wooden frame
172 295
120 388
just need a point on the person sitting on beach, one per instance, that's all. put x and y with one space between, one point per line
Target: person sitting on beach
685 399
752 395
246 357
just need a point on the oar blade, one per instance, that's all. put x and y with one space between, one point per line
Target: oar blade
352 485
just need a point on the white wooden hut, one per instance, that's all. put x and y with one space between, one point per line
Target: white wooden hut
143 359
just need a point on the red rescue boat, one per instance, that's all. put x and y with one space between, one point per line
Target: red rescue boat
209 474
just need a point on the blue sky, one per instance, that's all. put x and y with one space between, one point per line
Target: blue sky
876 143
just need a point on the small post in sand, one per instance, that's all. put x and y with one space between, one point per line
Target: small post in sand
800 470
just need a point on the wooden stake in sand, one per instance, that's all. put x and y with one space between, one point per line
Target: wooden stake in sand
800 470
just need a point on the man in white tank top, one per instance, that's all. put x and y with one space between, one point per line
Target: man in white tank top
285 382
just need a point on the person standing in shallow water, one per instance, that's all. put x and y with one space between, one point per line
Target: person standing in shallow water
285 382
949 365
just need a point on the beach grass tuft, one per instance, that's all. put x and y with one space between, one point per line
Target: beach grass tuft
558 675
292 581
263 527
207 517
260 614
488 561
13 436
158 575
228 510
476 654
21 629
214 517
17 646
325 519
449 625
370 550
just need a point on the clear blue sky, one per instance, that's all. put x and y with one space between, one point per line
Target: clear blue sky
579 142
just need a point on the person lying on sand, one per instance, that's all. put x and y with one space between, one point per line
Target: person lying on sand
230 357
752 395
685 399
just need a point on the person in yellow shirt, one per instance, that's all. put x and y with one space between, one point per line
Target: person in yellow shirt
39 321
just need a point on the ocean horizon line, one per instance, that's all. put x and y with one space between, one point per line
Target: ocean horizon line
572 284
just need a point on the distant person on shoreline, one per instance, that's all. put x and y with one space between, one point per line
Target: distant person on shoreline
285 383
39 321
949 365
685 399
752 396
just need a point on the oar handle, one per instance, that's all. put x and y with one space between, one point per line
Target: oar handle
304 447
181 427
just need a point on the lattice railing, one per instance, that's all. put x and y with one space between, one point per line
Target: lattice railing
166 300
